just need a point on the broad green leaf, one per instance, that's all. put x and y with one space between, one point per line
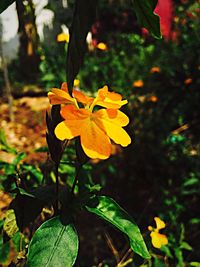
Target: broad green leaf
146 17
84 16
53 245
109 210
5 4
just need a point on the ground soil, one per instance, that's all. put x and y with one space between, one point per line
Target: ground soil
26 133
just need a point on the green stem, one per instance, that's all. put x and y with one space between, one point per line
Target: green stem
78 169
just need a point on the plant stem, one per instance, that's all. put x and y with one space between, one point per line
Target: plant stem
78 168
57 188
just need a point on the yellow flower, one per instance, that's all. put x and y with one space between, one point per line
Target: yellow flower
76 82
63 37
138 83
61 96
188 81
155 70
102 46
95 128
158 240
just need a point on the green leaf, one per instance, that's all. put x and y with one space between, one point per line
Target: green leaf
109 210
4 251
84 16
194 264
186 246
4 144
53 244
19 158
10 223
146 17
5 4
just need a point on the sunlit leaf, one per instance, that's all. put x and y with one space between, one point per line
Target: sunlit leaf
109 210
10 224
53 244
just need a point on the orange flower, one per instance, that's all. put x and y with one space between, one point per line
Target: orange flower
61 96
158 240
102 46
95 128
138 83
188 81
153 98
155 70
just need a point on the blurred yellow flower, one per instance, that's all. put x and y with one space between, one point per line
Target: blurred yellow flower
158 240
138 83
95 128
76 82
155 70
63 37
102 46
188 81
176 19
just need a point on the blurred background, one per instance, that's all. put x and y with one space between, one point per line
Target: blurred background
158 174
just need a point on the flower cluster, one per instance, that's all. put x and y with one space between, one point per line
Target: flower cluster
94 126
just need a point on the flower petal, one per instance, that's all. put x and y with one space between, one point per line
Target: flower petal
103 93
81 97
62 94
112 127
107 104
113 115
58 96
158 240
71 112
67 129
64 87
75 121
108 99
95 142
159 223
